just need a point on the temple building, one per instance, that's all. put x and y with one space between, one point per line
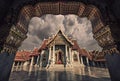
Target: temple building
59 51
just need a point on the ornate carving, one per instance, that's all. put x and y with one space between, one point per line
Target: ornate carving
81 9
13 41
104 37
69 8
111 51
105 40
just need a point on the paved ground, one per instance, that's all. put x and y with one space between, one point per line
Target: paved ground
81 74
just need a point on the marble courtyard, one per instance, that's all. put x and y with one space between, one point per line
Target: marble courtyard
79 74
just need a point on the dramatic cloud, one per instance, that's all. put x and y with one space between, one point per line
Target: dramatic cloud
73 26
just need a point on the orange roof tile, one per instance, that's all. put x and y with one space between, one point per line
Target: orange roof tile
22 56
35 52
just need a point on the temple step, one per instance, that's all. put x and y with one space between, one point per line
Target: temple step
77 64
58 66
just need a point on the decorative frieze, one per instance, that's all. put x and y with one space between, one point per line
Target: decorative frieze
13 41
111 51
48 8
105 40
104 37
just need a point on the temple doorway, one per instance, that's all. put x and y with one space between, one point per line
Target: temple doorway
59 57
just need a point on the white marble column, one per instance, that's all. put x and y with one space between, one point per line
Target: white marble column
32 60
70 55
78 57
21 65
66 54
53 54
81 60
13 66
30 71
38 59
87 61
41 57
49 59
17 67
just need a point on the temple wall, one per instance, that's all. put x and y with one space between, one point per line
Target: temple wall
6 61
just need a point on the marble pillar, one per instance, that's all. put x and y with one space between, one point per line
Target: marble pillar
87 61
32 61
13 66
41 57
17 67
70 55
30 71
49 59
53 54
66 54
21 65
78 57
38 59
81 60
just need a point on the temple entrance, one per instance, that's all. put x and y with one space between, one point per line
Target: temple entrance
59 57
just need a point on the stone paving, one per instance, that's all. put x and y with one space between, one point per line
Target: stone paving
81 74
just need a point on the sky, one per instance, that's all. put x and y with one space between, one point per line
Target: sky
48 25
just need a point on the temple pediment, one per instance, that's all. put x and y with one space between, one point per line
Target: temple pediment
60 39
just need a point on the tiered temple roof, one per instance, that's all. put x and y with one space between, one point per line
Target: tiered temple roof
25 55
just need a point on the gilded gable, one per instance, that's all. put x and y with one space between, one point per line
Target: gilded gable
60 39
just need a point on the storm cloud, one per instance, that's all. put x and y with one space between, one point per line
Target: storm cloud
72 25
